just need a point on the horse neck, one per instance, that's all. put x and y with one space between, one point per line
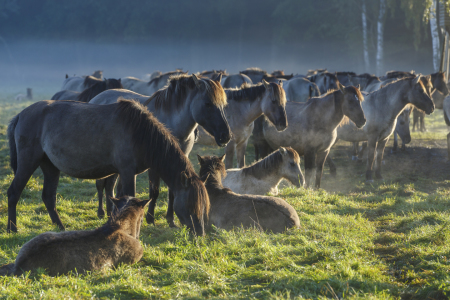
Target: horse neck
246 110
331 109
393 97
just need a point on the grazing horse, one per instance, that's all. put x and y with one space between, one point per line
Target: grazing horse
181 106
325 81
148 88
265 175
235 81
230 210
97 141
382 108
115 243
78 83
300 89
90 92
312 127
245 105
255 74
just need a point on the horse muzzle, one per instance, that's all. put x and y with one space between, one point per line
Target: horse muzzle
361 123
223 139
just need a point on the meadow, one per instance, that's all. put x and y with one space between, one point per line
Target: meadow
384 240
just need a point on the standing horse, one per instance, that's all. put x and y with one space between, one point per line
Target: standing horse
245 105
182 105
230 210
402 130
115 243
382 108
148 88
97 141
78 83
300 89
325 81
90 92
312 126
255 74
213 73
235 81
265 175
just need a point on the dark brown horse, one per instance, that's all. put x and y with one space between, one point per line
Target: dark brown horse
95 141
58 253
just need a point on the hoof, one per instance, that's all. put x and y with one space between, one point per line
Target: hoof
100 214
172 224
354 157
150 219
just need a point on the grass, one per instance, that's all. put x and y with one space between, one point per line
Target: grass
386 240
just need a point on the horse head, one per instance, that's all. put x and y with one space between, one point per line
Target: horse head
419 94
351 105
273 104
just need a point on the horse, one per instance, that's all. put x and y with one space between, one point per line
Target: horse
235 80
230 210
344 77
245 105
402 130
265 175
182 105
79 83
325 81
90 92
97 141
213 73
148 77
300 89
382 107
255 74
148 88
114 243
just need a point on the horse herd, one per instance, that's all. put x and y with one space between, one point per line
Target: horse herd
118 128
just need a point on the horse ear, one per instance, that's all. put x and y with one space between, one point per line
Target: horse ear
184 179
283 151
115 201
359 87
218 78
266 84
417 79
280 82
67 76
342 88
143 203
222 158
120 80
196 80
200 159
205 177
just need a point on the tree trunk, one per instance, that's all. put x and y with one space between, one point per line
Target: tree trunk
434 36
380 29
365 43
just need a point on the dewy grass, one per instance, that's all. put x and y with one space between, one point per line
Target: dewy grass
386 240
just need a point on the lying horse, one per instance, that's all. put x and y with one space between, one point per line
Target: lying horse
245 105
229 210
382 108
265 175
97 141
115 243
148 88
90 92
183 104
312 127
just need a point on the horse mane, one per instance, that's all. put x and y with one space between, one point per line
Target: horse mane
205 73
399 74
162 76
313 78
97 88
254 71
173 95
346 73
277 73
165 156
271 161
90 81
251 92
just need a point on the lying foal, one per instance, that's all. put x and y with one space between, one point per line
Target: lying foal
265 175
230 210
114 243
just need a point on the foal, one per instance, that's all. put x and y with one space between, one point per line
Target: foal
229 209
114 243
265 175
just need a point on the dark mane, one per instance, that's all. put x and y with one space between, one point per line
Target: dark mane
254 71
345 73
165 156
97 88
251 92
271 161
165 76
173 95
90 81
399 74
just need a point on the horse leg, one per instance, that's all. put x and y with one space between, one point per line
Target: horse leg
169 214
380 151
128 184
422 122
240 153
51 180
100 185
372 145
394 148
23 174
355 150
361 152
153 182
415 119
110 182
320 161
332 166
229 151
310 161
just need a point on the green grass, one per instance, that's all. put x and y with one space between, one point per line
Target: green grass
387 240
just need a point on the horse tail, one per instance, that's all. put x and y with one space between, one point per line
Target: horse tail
12 143
447 121
6 270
